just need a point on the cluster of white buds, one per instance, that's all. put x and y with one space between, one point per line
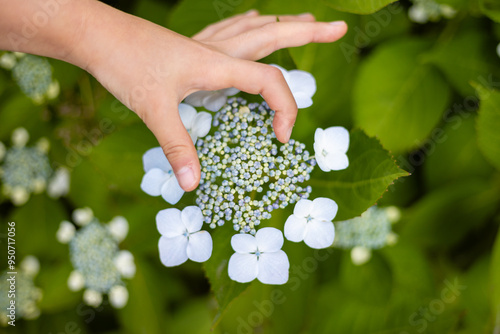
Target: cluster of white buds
99 264
33 74
244 174
22 285
372 230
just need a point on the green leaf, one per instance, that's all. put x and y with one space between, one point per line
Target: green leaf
398 99
445 216
450 154
19 111
53 281
488 123
371 170
224 288
358 6
491 8
476 62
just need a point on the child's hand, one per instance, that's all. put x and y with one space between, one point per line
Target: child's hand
152 69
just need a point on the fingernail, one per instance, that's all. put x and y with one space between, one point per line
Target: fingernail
304 14
185 177
251 11
337 23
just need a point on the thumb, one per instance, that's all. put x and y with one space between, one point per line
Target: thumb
176 143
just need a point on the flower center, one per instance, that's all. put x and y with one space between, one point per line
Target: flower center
186 234
324 153
309 218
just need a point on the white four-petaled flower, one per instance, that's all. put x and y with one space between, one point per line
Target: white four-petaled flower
330 147
302 85
211 100
160 178
311 222
181 236
260 257
197 124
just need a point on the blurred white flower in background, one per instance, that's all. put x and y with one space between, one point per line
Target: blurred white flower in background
360 255
302 85
311 222
330 147
260 257
160 178
196 123
27 295
99 264
181 236
211 100
424 11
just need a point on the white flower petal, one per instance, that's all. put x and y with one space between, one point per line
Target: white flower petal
92 297
302 100
76 281
20 137
295 228
303 82
83 216
360 255
173 250
171 191
30 265
242 267
192 218
319 234
169 223
231 91
59 184
336 139
66 232
187 114
19 196
124 262
324 209
196 98
269 239
199 247
118 296
153 181
155 158
202 124
303 208
214 100
244 243
321 160
273 268
336 161
118 227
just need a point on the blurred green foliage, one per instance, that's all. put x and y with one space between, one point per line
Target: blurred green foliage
419 99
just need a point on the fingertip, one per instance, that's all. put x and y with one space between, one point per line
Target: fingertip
188 177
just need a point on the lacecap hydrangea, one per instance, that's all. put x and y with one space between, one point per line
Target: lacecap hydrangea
99 264
246 174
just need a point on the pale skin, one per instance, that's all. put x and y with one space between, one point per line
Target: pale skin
151 69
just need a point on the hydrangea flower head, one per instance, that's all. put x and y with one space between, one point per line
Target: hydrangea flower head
260 257
33 74
372 230
27 294
211 100
99 264
242 158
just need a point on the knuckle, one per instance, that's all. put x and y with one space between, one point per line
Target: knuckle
174 150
